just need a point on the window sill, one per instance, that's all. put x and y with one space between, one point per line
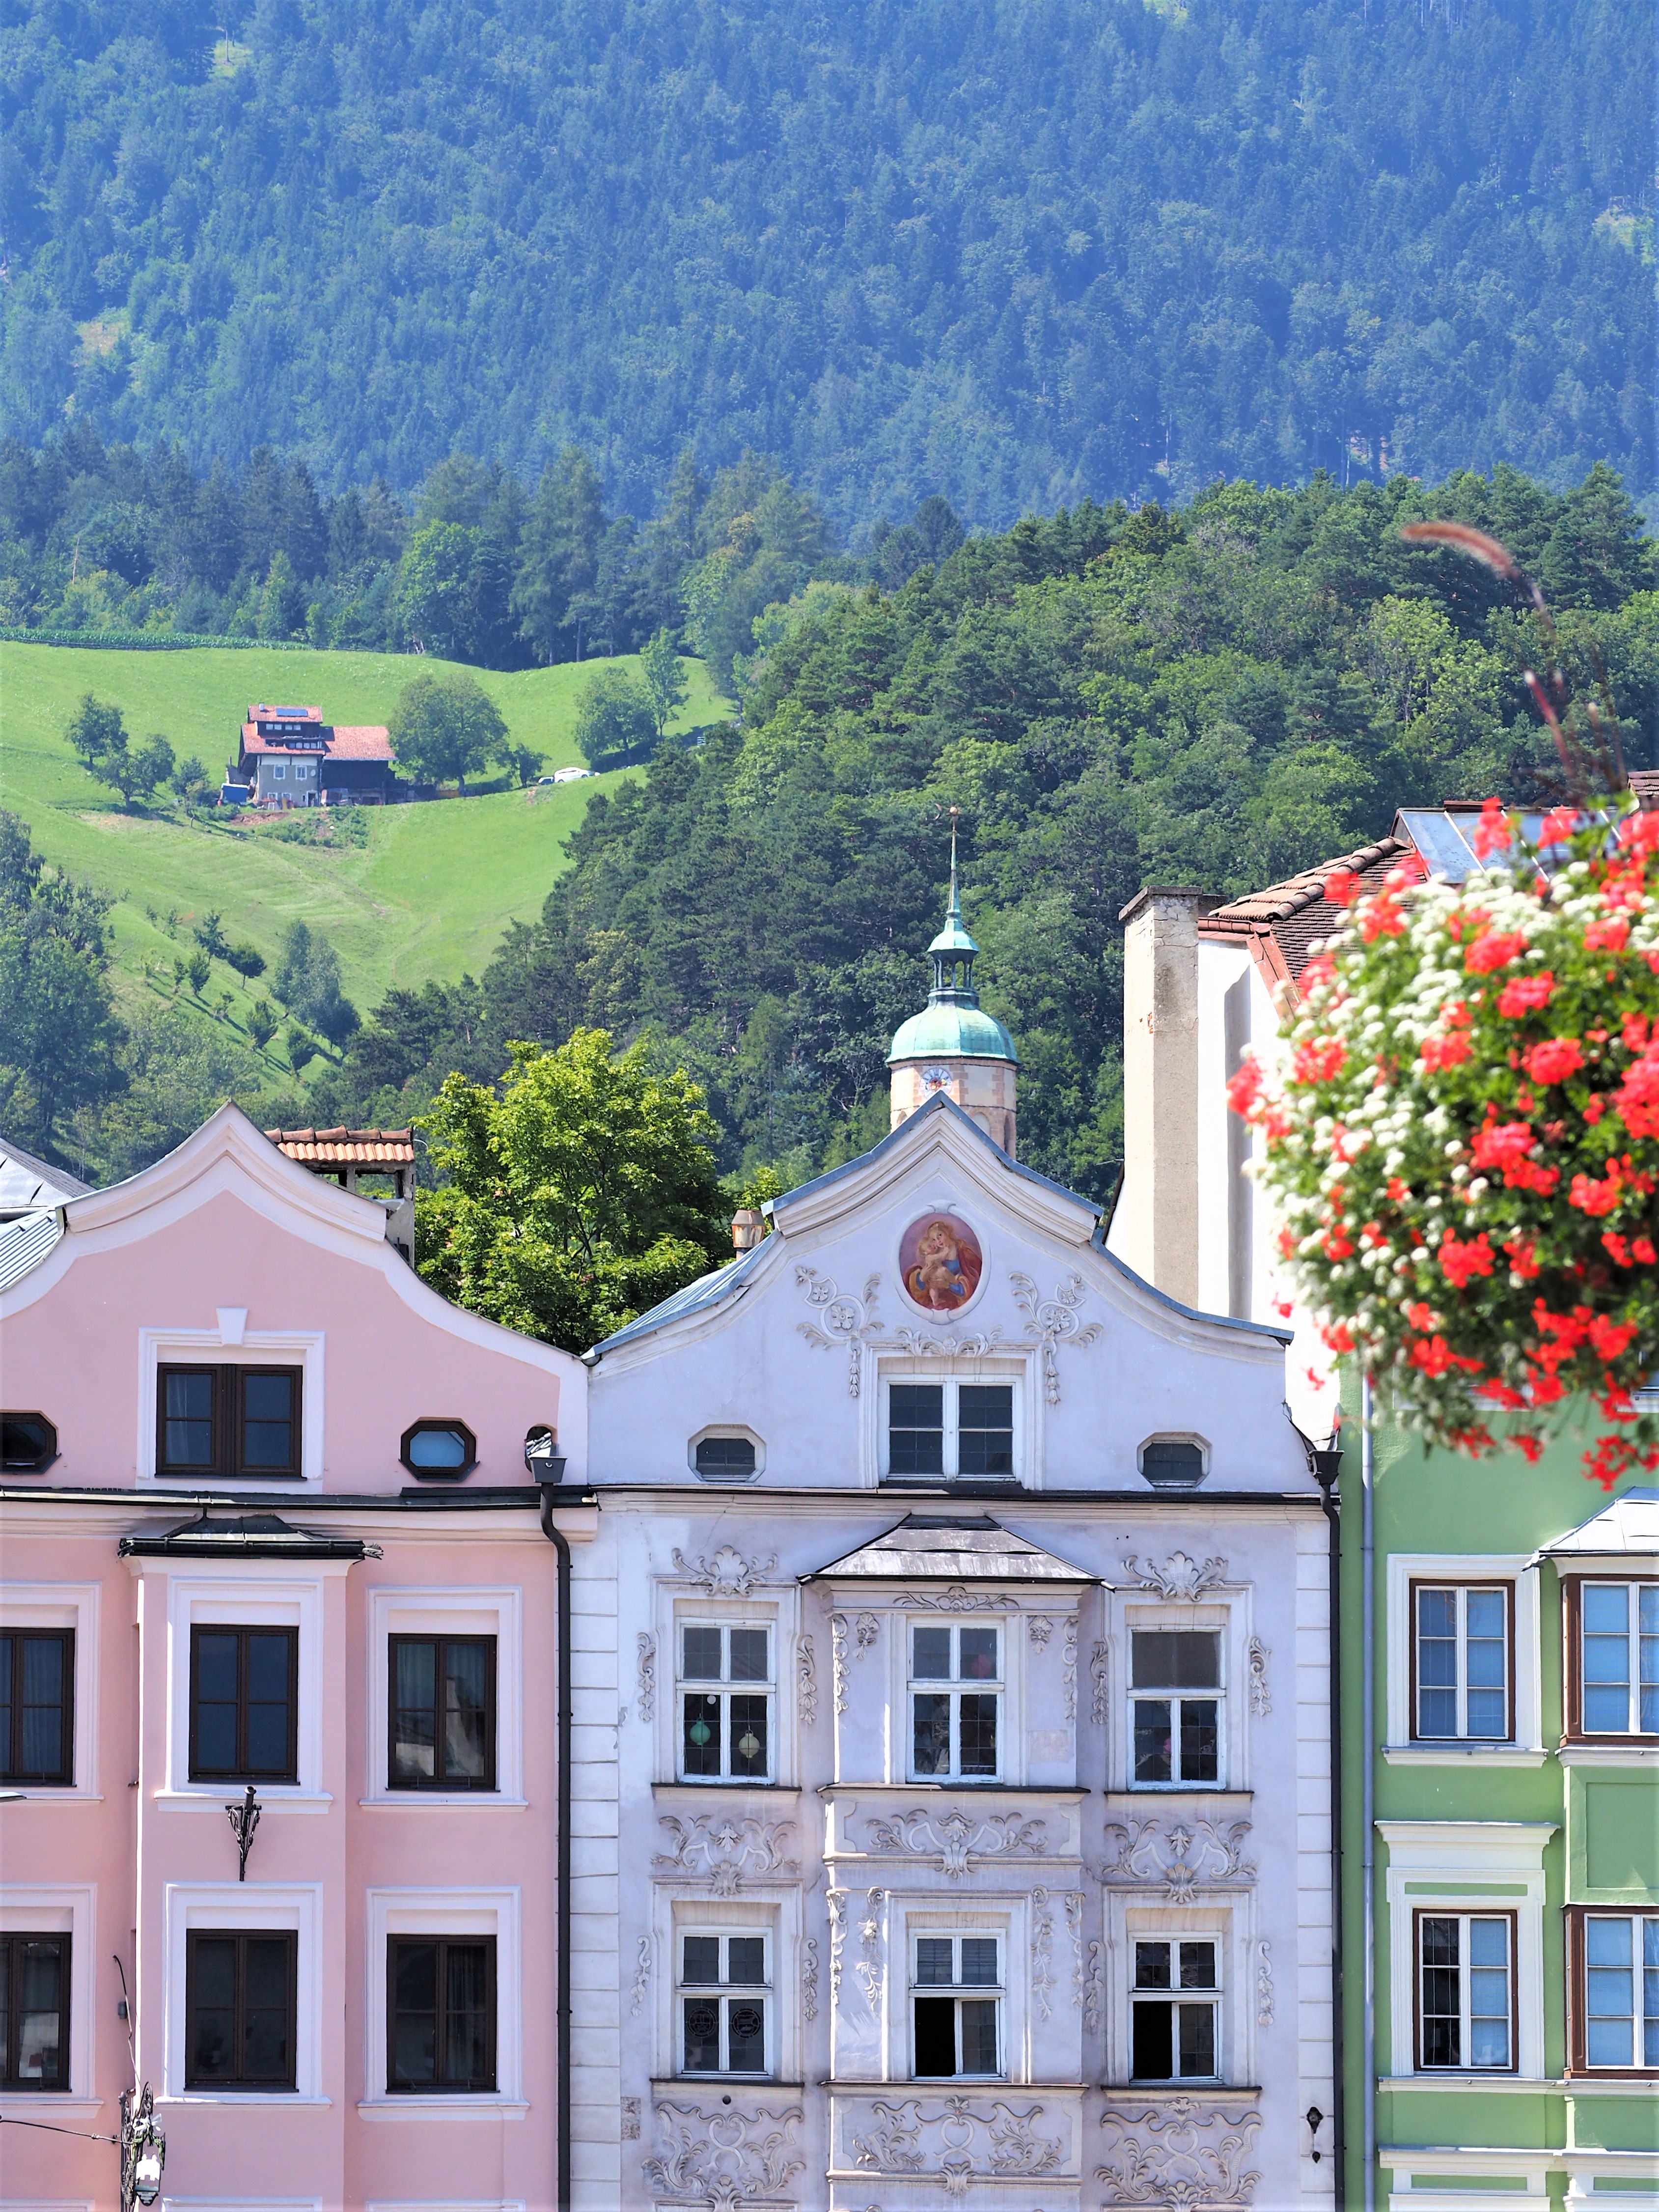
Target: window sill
443 2108
277 1798
477 1800
50 2105
1205 1792
1462 1755
1120 2092
1609 1754
766 2084
934 1786
265 2100
1464 2084
51 1793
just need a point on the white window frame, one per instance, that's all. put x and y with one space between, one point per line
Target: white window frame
1633 1585
459 1911
773 1605
981 1993
899 1920
275 1595
72 1606
1524 1746
233 1342
295 1906
1218 1998
1467 1866
952 1377
278 772
28 1908
1227 1919
955 1688
738 1430
775 1910
1219 1696
448 1611
1230 1608
1497 1911
726 1689
1460 1592
1637 1916
714 1923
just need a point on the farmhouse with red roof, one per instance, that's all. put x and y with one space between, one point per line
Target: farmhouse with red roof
290 757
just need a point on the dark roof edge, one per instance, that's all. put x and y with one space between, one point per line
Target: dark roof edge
523 1497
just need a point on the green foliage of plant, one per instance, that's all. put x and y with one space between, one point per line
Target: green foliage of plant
444 728
580 1193
617 717
663 678
58 1034
307 982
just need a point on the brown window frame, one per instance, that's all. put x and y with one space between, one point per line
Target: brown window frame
445 1784
1574 1730
12 1770
241 1937
241 1631
1456 1582
1465 1909
42 1459
228 1420
11 2083
1579 2065
492 2007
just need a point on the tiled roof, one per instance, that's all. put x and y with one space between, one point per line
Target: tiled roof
1296 913
360 1148
259 713
343 741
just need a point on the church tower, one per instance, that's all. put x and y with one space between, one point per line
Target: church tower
953 1045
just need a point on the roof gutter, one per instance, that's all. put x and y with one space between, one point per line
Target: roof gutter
562 1931
1327 1467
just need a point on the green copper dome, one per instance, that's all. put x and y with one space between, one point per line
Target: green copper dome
953 1025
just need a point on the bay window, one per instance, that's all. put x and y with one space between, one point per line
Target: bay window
1612 1637
956 2006
1613 1963
1175 1707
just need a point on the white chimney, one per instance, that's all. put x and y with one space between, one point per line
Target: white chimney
1156 1228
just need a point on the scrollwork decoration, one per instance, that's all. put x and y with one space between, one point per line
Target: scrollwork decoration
728 1574
648 1647
724 1851
1054 1321
1181 1863
957 1841
1182 2155
725 2158
806 1682
1099 1706
1262 1702
1179 1576
841 1320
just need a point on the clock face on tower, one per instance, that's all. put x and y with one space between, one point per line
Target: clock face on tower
935 1077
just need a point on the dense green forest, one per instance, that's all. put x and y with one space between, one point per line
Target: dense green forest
1219 694
1016 252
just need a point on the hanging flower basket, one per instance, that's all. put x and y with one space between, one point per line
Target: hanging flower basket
1462 1141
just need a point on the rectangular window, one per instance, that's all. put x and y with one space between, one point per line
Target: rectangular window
1177 1730
954 1430
726 1702
228 1421
724 1983
278 772
442 1690
37 1704
956 1691
956 2006
1461 1661
34 1997
1466 1991
1175 2010
243 1704
1617 1675
1614 1963
441 2014
240 2025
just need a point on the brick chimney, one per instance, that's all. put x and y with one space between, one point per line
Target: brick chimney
1156 1226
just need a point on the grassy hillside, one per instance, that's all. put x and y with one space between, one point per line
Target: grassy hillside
428 893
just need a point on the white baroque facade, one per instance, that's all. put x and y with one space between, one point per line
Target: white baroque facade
952 1818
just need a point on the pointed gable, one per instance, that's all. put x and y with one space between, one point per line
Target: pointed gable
945 1547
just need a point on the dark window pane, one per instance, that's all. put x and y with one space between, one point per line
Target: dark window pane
979 2036
215 1738
1151 2057
746 1960
215 1665
1199 1752
267 1740
41 1996
211 2056
267 1971
1197 2039
265 2044
917 1405
749 1735
930 1650
979 1735
414 1726
727 1456
1440 2042
701 1648
468 1668
415 1977
1439 1939
979 1960
703 1734
978 1655
931 1733
25 1440
41 1672
915 1419
439 1448
414 2050
187 1425
5 2012
936 2035
467 2044
703 1959
267 1420
916 1451
1175 1659
985 1415
935 1960
750 1655
1151 1966
985 1404
746 2035
1152 1740
267 1666
702 2035
1172 1463
1197 1965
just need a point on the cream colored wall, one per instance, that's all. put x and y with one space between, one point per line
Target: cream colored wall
1156 1228
984 1089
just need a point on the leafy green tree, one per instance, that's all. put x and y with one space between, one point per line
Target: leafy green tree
581 1193
282 602
175 1070
665 679
209 934
559 557
189 780
59 1033
198 968
522 761
302 1048
307 982
444 727
435 588
246 959
261 1023
615 716
96 733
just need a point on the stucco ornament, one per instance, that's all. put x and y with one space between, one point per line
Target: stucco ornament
957 1841
723 1851
728 1574
1261 1700
956 2141
1264 1983
1053 1321
647 1649
1085 1961
869 1628
641 1981
834 1902
1100 1680
957 1598
1179 1576
809 1978
1068 1666
723 2157
1042 1954
842 1320
1039 1627
1184 2156
868 1969
806 1682
838 1658
1181 1861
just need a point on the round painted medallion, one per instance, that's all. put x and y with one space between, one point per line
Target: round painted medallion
941 1262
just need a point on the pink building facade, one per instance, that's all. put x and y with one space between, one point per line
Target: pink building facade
281 1526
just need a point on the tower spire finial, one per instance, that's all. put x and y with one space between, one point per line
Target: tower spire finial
953 912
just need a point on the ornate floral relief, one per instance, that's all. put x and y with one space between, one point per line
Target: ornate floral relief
1181 1863
648 1663
1094 1993
838 1659
722 1852
981 1344
836 1904
1264 1983
728 1574
958 2140
1179 1576
865 1635
1042 1954
725 2158
955 1840
809 1978
841 1320
1183 2154
1085 1961
1099 1677
630 2119
1039 1627
958 1598
1068 1666
806 1682
1261 1702
1053 1321
641 1981
868 1969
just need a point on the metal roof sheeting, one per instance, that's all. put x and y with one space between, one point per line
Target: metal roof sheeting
937 1548
24 1243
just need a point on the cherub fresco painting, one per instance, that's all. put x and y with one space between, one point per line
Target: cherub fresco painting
941 1262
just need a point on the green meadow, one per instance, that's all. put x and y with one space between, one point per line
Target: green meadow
428 894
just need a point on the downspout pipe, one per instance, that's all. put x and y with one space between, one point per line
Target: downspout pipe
1327 1466
562 1931
1368 1773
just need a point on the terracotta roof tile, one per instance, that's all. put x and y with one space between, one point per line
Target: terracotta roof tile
1296 913
342 741
345 1147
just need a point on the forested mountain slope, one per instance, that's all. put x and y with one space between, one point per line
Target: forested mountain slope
1015 251
1217 695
